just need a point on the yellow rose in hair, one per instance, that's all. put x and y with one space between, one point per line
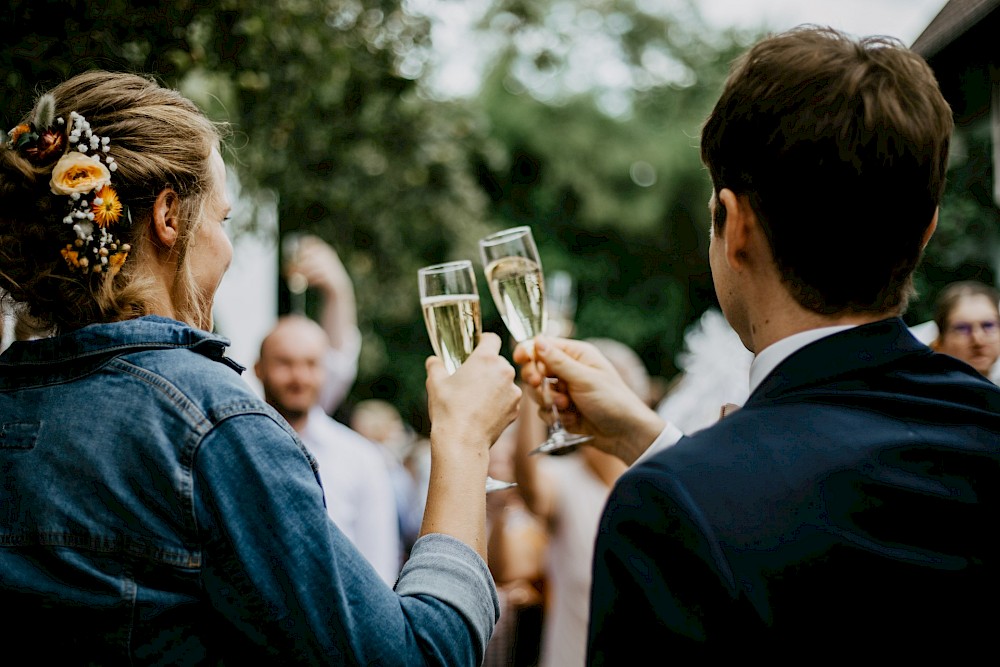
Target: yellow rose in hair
77 172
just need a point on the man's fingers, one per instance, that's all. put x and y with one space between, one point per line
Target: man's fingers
531 375
523 353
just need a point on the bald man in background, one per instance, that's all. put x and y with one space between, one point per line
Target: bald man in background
355 479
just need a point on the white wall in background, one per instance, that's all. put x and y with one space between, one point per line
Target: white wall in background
246 305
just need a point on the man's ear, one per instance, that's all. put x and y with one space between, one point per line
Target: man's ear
740 223
166 218
930 229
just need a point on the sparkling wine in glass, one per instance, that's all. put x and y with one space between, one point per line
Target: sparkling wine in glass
449 299
514 272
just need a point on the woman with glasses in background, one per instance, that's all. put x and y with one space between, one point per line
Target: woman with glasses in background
968 321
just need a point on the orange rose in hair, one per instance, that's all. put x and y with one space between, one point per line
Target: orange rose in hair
78 173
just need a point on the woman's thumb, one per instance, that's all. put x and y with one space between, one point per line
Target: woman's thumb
435 369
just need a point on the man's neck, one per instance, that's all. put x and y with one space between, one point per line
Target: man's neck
778 329
297 420
779 316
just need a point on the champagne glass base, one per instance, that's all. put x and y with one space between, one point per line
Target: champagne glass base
498 485
561 443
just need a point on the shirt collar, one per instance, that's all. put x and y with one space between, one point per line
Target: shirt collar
315 419
769 358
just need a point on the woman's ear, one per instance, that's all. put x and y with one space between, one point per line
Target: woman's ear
166 218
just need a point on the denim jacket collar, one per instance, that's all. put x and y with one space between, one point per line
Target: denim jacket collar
99 341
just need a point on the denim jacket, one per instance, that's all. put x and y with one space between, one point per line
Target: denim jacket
153 510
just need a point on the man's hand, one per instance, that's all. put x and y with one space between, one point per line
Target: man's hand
591 396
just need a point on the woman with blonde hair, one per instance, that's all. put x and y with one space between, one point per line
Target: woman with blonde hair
155 511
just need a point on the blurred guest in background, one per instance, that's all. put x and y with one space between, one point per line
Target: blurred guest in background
356 481
315 264
407 458
967 315
567 493
312 263
517 545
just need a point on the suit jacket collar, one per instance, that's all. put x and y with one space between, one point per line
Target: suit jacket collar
862 347
770 357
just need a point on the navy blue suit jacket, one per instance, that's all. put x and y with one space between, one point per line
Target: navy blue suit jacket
850 504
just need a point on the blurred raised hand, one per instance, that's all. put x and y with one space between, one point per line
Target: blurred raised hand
319 265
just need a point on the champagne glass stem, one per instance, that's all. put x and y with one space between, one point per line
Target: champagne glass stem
297 301
559 441
556 424
555 429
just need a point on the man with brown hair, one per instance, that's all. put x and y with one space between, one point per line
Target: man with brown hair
850 502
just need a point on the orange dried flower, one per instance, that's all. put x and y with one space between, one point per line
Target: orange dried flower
109 210
71 256
116 260
16 133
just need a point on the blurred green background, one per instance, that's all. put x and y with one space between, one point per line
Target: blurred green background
332 112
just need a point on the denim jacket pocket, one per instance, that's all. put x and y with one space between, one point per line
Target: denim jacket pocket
18 435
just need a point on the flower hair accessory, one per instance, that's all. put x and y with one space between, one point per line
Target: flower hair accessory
83 175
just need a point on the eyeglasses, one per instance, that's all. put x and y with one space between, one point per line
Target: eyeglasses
989 328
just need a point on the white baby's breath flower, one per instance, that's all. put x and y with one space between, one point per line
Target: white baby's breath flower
84 229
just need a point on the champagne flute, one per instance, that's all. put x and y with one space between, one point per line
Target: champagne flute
297 283
450 302
514 272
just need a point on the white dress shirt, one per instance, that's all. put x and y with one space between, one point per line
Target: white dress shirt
358 489
761 366
341 366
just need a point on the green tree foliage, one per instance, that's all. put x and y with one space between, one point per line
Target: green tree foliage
46 41
606 169
966 245
326 106
326 97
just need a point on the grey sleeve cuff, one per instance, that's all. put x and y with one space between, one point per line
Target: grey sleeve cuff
451 571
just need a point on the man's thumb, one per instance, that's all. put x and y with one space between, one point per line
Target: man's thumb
557 362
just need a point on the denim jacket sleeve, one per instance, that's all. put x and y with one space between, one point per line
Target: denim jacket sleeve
292 586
